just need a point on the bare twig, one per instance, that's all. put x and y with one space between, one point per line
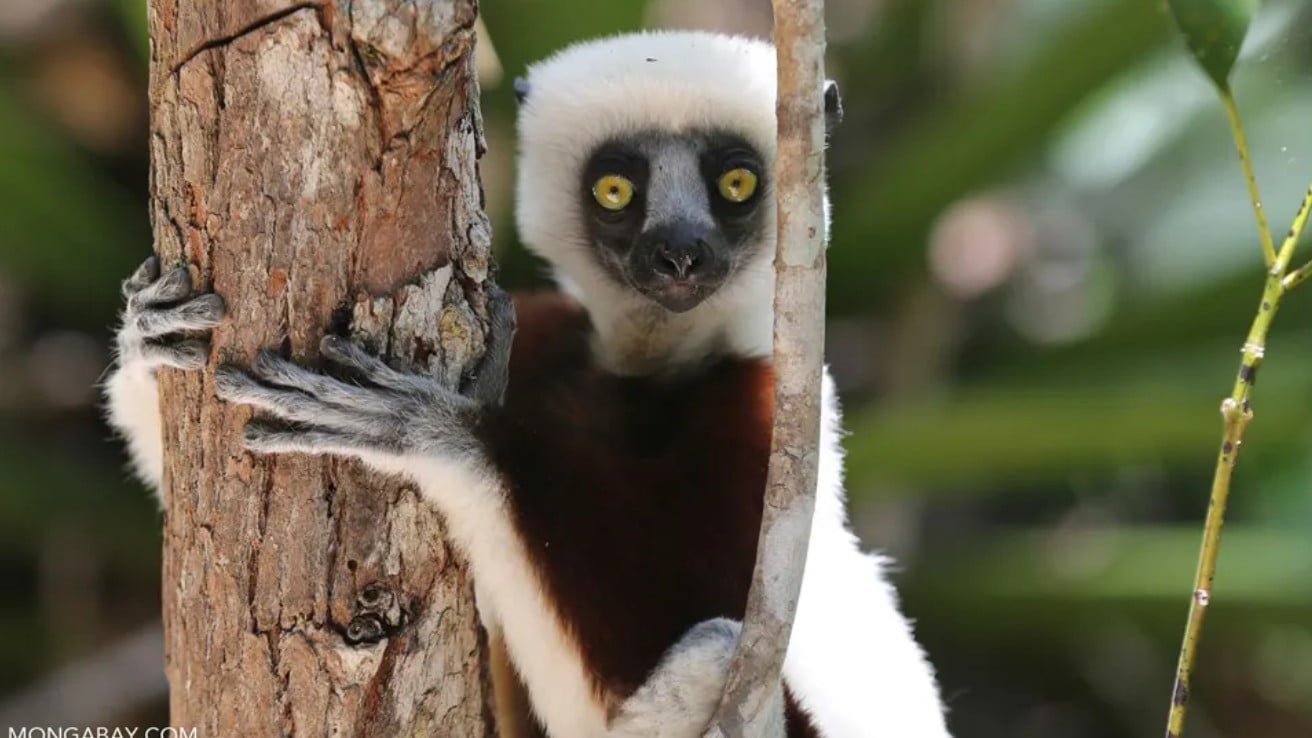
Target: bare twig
749 701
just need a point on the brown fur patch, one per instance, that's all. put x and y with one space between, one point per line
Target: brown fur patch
639 498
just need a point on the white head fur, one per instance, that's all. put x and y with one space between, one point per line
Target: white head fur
672 81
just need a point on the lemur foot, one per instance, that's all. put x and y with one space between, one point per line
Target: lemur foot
680 697
161 316
380 413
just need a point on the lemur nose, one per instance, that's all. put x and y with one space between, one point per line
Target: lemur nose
680 261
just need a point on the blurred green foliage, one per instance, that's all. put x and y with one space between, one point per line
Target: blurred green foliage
1041 271
971 138
58 212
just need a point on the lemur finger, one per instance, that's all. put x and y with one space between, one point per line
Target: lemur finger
342 352
145 274
268 438
191 353
234 385
202 313
487 385
172 287
272 368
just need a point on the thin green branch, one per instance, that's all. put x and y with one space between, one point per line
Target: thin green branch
1235 418
1236 413
1300 220
1297 277
1241 145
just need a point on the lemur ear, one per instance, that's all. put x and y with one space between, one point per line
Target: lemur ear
833 106
521 89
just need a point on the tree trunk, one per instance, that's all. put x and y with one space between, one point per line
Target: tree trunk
318 164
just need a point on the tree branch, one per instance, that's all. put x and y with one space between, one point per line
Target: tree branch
749 701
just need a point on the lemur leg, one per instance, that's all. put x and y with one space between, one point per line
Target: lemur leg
398 422
164 322
680 697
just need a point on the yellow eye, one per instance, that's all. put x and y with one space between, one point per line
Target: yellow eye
737 185
613 192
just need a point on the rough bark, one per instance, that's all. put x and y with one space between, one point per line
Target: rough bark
316 162
799 311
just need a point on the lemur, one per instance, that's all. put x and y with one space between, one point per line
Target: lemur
605 478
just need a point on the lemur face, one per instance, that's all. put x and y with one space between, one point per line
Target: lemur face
644 175
673 215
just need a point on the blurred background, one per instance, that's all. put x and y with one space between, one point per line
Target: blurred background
1042 267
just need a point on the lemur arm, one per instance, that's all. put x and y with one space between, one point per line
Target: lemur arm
400 423
163 319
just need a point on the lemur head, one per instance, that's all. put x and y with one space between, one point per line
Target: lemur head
645 172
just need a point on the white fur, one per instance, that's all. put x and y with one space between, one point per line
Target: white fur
133 410
853 661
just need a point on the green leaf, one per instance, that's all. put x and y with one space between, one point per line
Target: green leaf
1214 31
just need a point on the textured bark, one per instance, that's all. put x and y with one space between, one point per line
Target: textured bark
746 708
316 163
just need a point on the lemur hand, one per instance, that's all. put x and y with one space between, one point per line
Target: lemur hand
164 324
161 318
383 415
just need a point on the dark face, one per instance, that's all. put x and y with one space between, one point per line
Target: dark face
673 216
